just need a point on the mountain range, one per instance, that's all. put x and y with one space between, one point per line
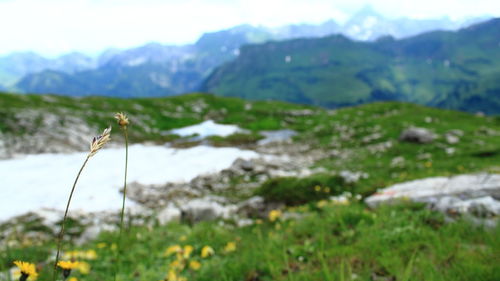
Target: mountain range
447 69
159 70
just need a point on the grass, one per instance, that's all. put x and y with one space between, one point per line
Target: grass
334 242
321 240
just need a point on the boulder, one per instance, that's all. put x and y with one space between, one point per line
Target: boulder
417 135
477 194
257 207
205 209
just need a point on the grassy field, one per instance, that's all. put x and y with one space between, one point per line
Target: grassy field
322 241
311 239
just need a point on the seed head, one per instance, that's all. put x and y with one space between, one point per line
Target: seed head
122 119
99 141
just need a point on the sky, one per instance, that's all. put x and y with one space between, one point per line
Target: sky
54 27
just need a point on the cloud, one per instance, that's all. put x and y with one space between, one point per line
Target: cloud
56 26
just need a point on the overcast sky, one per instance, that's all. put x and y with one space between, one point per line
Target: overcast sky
52 27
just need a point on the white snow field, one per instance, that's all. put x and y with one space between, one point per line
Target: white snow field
39 181
207 128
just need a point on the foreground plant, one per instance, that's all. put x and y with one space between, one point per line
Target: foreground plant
67 267
96 144
28 270
123 122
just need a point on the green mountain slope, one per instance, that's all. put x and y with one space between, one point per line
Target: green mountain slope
456 70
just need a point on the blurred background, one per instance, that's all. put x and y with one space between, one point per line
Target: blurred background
269 139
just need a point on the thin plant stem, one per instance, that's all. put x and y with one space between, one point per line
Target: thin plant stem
61 233
122 215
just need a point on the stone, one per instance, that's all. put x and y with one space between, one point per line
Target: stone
205 209
476 194
352 177
451 139
257 207
417 135
168 214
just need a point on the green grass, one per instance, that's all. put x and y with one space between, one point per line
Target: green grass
333 242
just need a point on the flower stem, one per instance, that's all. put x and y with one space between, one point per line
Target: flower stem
61 233
117 264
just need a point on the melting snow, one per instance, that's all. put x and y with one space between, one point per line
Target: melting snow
207 128
45 180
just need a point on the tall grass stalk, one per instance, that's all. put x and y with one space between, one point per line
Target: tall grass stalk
96 144
123 122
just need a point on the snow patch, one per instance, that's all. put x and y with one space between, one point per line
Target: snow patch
44 180
207 128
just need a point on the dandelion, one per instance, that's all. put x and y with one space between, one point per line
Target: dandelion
194 265
67 267
177 264
73 279
28 270
95 145
274 215
123 122
317 188
321 203
207 251
83 267
230 247
186 252
172 250
101 245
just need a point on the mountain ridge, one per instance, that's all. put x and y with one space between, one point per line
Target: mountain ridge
441 68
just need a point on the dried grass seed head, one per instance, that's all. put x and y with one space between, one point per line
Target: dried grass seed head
122 119
99 141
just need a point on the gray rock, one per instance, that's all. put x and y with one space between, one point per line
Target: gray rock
417 135
451 139
257 207
168 214
352 177
476 194
205 209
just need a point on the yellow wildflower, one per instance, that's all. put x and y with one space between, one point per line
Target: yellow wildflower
317 188
186 252
274 215
83 267
172 250
194 265
28 270
326 190
73 279
230 247
183 238
177 264
67 266
321 203
207 251
101 245
122 119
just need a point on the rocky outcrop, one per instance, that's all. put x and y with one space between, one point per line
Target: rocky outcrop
477 194
417 135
